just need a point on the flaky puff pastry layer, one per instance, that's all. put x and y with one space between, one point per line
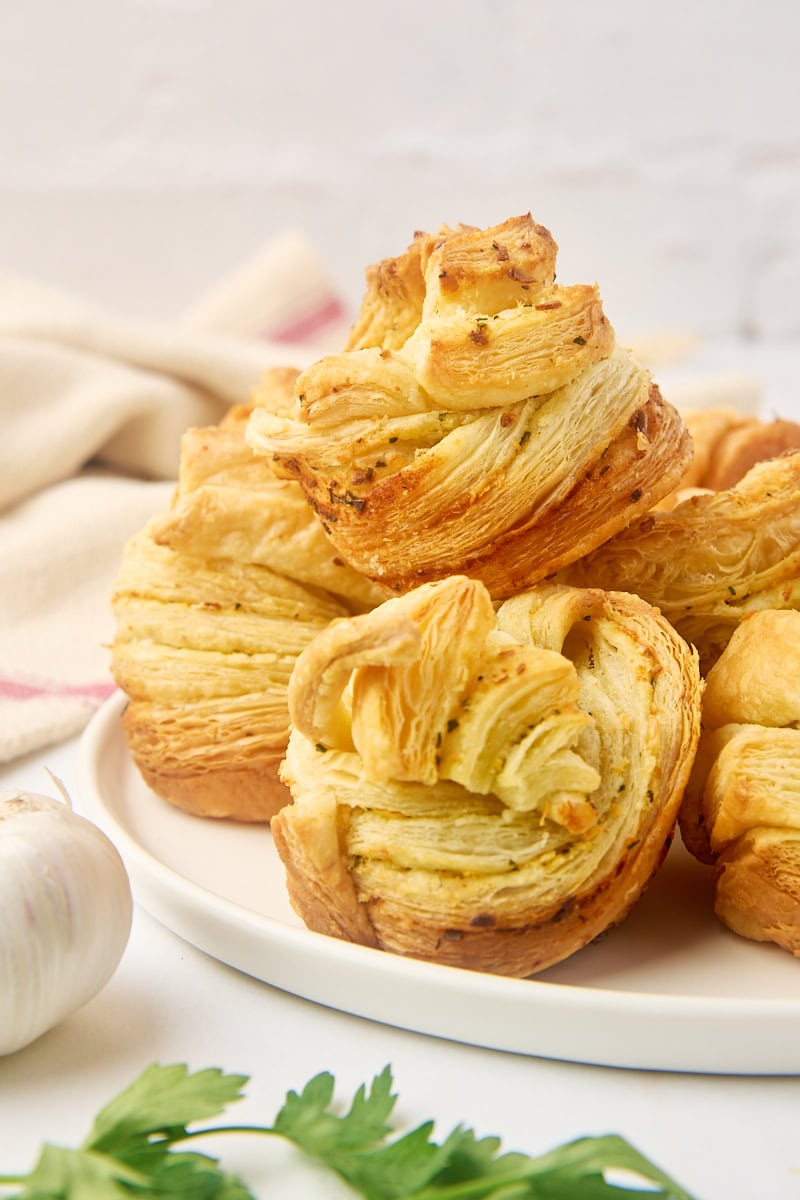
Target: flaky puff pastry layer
483 422
213 603
741 810
230 505
726 443
712 560
488 790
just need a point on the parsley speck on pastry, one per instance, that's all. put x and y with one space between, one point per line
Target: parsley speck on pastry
713 559
482 421
490 790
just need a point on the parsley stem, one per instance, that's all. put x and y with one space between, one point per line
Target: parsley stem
188 1134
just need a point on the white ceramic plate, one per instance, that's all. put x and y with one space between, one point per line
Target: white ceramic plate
669 989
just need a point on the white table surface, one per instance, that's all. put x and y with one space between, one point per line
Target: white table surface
723 1138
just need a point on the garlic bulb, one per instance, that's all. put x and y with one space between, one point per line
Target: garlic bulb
65 914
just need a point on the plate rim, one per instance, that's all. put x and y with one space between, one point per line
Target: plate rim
162 890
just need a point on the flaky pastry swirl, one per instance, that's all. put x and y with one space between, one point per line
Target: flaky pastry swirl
483 421
488 790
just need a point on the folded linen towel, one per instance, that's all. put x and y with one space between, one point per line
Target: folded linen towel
92 409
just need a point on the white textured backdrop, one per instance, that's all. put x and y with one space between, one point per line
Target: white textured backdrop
148 146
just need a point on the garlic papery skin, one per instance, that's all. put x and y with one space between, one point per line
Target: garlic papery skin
65 914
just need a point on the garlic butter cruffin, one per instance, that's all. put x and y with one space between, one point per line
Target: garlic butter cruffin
482 421
488 790
713 559
741 811
214 601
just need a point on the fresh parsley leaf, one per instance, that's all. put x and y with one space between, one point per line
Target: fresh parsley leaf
162 1100
78 1175
131 1151
469 1159
307 1120
193 1177
588 1163
397 1170
414 1167
89 1175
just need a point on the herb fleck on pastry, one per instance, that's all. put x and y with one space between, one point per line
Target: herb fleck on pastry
486 789
712 560
483 420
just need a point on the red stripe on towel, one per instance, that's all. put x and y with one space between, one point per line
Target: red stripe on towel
15 689
306 327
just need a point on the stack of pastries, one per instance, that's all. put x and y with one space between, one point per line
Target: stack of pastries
214 601
433 607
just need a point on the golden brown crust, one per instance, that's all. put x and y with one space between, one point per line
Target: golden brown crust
214 601
204 649
741 811
465 792
714 559
517 538
708 428
505 436
229 505
489 270
452 267
758 887
757 680
321 888
726 444
392 304
464 360
654 435
252 793
747 445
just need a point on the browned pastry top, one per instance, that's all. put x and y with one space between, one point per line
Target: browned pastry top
483 420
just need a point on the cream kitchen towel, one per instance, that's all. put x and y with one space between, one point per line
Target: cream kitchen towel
92 408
